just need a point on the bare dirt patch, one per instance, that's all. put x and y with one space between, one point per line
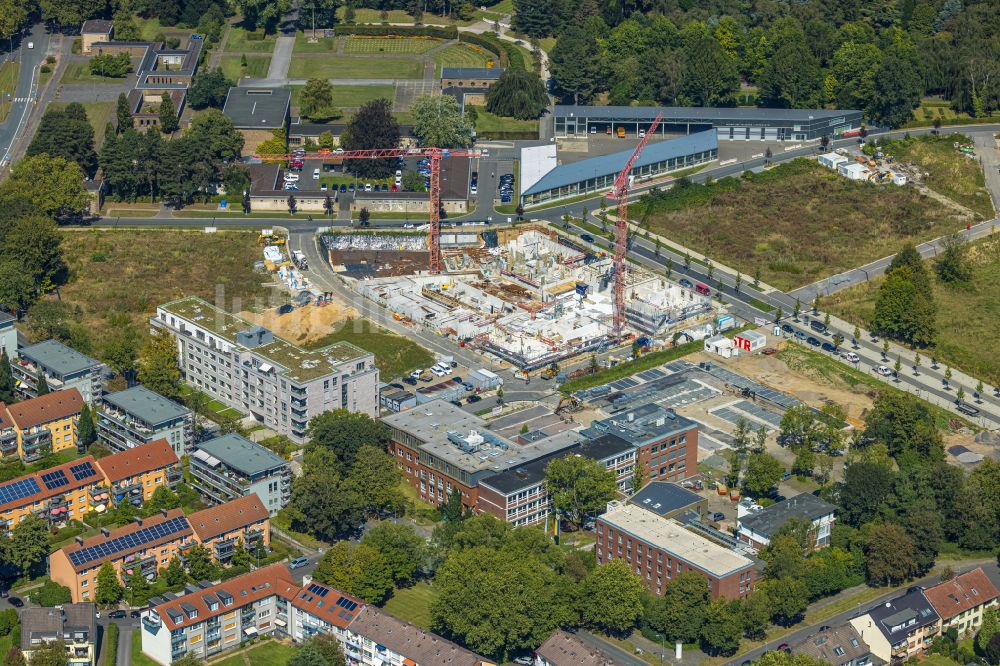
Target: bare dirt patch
306 324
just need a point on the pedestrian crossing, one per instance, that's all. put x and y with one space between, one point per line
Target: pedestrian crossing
22 99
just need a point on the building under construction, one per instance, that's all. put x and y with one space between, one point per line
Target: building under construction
527 295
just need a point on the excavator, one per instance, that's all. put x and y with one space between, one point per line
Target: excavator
270 239
569 404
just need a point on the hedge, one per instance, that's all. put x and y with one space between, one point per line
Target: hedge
111 657
449 32
491 44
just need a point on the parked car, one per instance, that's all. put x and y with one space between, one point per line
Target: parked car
410 380
343 187
315 174
135 614
117 614
15 602
298 562
799 335
966 408
687 284
812 341
850 357
587 238
322 187
473 398
787 328
884 371
828 347
716 516
817 326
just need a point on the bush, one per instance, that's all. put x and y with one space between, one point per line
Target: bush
233 572
112 643
174 42
450 32
52 594
50 60
45 69
255 35
98 257
491 44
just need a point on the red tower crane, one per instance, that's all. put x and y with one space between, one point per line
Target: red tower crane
434 154
619 191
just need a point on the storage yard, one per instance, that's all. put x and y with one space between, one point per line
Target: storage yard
526 296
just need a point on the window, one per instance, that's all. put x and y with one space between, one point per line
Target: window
839 651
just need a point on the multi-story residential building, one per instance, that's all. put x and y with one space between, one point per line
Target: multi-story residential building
8 336
248 368
73 624
757 529
137 416
62 367
146 545
659 549
8 435
266 602
57 495
221 528
961 601
840 646
133 475
46 424
565 649
519 496
666 443
440 447
899 629
207 621
231 466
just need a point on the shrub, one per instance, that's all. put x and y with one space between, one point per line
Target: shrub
45 69
98 257
52 594
255 35
51 60
112 642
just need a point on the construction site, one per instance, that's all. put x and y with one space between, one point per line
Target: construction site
524 295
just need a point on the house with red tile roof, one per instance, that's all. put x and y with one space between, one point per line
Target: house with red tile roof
961 600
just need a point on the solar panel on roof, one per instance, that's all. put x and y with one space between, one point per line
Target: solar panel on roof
18 490
347 604
56 479
318 590
83 471
131 541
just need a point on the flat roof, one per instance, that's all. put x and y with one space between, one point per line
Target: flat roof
707 114
145 405
297 364
6 320
491 73
668 535
802 506
662 497
642 424
241 454
258 108
57 358
604 165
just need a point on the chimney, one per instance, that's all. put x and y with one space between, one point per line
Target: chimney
79 540
105 532
138 521
163 512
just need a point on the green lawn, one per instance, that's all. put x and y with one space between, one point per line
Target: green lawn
138 658
397 16
351 96
952 174
341 67
488 122
925 114
321 45
8 83
395 355
967 334
459 55
413 604
79 72
240 40
390 45
98 113
256 67
629 368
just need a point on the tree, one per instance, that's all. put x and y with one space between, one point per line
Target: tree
438 122
680 613
209 90
121 348
951 265
173 574
412 181
50 653
904 307
497 601
721 632
992 651
16 290
109 590
7 385
116 66
124 114
791 77
261 13
343 433
158 364
359 570
710 76
363 217
903 423
35 243
28 544
377 480
168 116
54 185
518 93
580 486
620 592
989 628
200 565
13 14
783 658
373 126
66 133
788 597
888 555
138 588
865 488
763 473
316 101
86 431
325 506
574 63
404 551
897 89
307 655
755 614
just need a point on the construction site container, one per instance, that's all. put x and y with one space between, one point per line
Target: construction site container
483 379
832 160
750 341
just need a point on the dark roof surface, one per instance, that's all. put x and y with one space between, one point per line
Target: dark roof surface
707 114
909 612
834 645
48 624
57 358
258 108
490 73
96 27
663 498
804 506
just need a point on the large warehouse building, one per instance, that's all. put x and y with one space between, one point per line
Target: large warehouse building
731 124
548 181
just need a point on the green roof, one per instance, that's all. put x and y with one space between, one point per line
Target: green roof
294 362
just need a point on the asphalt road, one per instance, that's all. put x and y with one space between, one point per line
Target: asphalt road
801 634
26 91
